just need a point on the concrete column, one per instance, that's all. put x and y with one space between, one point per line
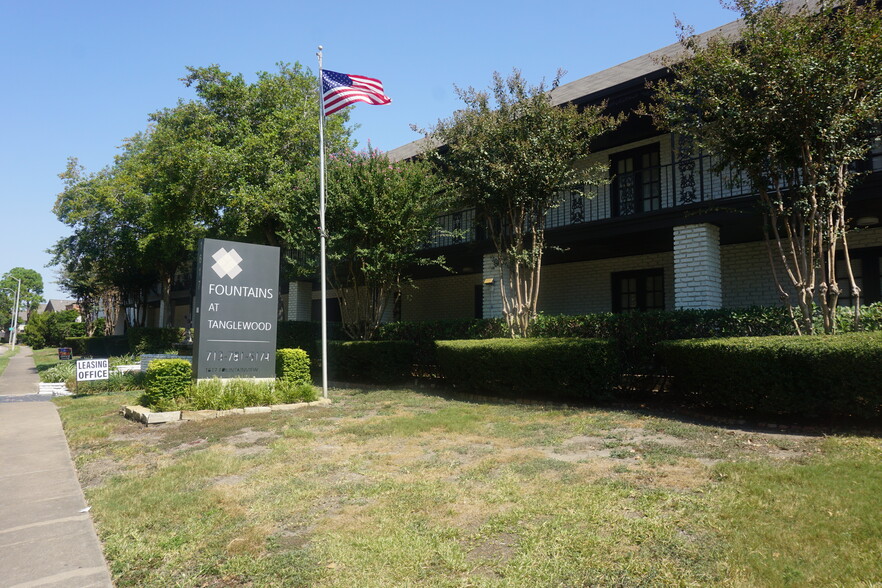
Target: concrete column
697 276
299 301
492 300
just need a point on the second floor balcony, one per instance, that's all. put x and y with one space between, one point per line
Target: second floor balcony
639 185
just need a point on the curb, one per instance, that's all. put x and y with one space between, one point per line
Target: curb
148 417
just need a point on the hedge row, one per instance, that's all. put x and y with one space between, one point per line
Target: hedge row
380 362
97 346
828 376
585 369
634 334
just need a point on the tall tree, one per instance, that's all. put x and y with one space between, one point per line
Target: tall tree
266 133
508 153
794 103
100 263
30 294
379 216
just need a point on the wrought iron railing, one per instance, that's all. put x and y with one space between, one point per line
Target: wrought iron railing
685 182
682 183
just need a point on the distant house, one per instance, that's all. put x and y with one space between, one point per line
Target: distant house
58 306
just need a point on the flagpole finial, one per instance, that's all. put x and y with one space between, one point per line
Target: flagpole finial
320 47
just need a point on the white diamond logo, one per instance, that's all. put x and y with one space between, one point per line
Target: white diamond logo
227 263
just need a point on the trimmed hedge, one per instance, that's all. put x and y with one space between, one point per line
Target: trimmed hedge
552 368
635 333
166 379
98 346
379 362
819 376
292 365
153 340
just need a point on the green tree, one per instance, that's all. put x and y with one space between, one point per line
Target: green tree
379 216
508 153
30 295
260 142
794 103
100 263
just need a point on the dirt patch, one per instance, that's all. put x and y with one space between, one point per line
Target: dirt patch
495 550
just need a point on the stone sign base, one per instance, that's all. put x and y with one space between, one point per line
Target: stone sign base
148 417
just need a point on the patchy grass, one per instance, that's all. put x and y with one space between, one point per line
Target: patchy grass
6 356
398 488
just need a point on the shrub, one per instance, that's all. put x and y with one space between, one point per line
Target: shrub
423 334
116 382
62 371
826 376
217 394
292 365
635 334
50 328
166 379
153 340
381 362
550 368
97 346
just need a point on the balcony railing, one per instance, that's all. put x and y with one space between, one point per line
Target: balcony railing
685 182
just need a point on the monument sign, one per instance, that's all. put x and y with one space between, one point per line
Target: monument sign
235 310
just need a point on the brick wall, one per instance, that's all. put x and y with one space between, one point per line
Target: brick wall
697 266
299 307
586 287
747 277
440 298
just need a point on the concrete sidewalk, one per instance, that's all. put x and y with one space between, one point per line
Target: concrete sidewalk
45 537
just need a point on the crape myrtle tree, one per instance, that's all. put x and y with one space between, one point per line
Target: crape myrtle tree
508 153
379 215
795 103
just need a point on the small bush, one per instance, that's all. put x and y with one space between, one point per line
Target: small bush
62 371
380 362
548 368
166 380
828 376
217 394
153 340
292 365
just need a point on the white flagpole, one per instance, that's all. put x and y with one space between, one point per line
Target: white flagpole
322 228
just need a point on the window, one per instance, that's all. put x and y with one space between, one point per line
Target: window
638 290
867 267
636 185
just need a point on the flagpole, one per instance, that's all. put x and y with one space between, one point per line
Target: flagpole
322 228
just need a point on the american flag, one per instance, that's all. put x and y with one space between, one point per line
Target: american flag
340 90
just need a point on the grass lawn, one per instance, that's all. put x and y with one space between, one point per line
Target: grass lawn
45 358
5 356
404 488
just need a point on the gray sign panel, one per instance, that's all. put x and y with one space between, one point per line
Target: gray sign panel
235 310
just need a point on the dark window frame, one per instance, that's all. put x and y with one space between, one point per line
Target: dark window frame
641 278
636 177
869 278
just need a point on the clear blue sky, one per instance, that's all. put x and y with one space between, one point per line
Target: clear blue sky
81 76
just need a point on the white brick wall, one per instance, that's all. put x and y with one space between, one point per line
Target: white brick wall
492 293
586 286
747 276
697 282
440 298
299 306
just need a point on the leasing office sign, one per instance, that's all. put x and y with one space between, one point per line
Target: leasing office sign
235 310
